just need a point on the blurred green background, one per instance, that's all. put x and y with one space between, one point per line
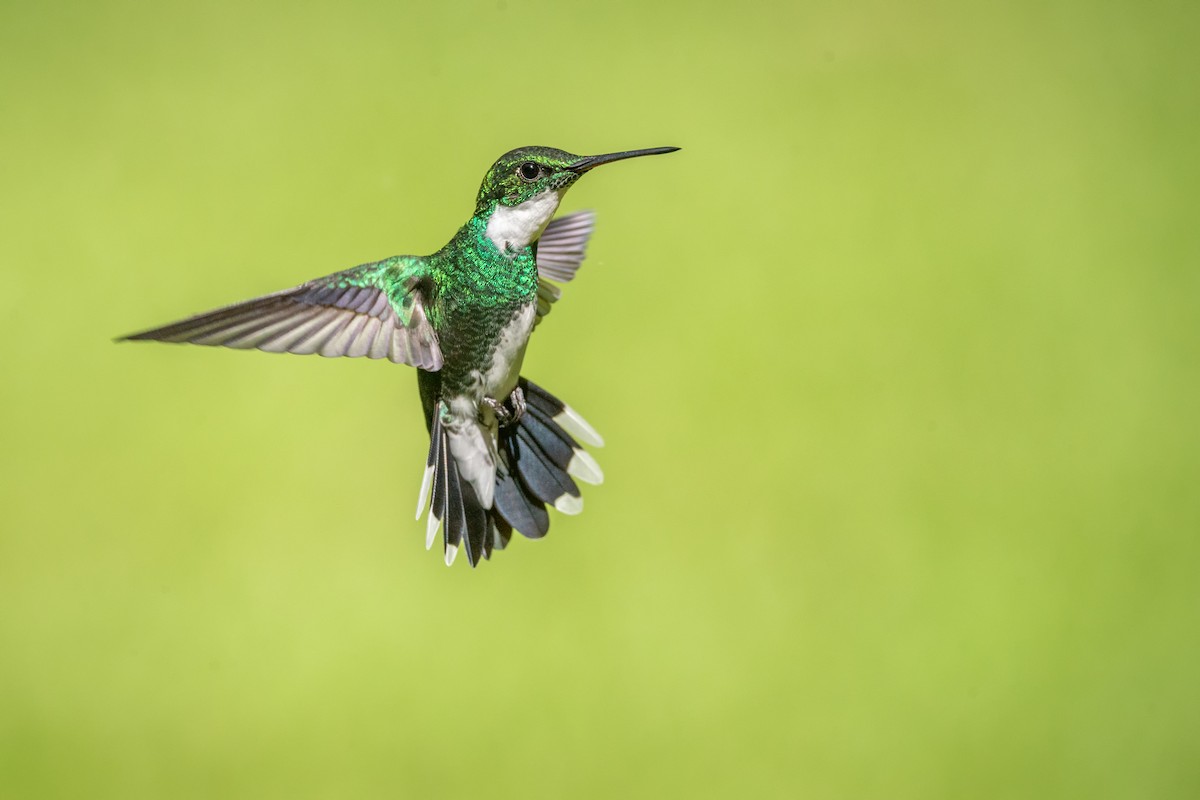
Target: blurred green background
896 362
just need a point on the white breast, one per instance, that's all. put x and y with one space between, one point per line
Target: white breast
514 227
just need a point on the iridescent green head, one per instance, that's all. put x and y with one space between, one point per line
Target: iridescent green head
525 173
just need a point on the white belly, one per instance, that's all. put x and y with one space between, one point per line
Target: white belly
500 378
472 427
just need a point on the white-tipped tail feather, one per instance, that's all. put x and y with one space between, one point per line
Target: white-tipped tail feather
568 504
532 466
584 467
573 423
431 529
423 496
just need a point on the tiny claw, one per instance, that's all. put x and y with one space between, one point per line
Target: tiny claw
502 413
504 416
517 399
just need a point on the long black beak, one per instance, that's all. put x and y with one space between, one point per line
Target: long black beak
587 162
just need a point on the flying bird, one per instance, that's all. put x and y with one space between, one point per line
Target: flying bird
501 448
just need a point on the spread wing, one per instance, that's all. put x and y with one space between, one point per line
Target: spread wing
559 252
376 310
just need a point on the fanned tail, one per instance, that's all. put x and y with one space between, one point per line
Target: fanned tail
540 456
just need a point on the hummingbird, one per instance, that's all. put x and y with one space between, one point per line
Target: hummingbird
501 448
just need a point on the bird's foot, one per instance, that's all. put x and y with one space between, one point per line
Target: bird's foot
505 415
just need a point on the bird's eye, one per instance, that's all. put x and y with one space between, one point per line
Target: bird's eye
529 171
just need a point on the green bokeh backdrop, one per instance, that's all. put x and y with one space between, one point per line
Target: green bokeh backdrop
896 362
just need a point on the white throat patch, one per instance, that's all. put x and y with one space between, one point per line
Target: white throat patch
514 227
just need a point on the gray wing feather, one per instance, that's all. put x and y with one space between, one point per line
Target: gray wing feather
563 245
316 317
560 251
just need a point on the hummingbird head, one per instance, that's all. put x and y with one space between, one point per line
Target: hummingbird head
522 190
